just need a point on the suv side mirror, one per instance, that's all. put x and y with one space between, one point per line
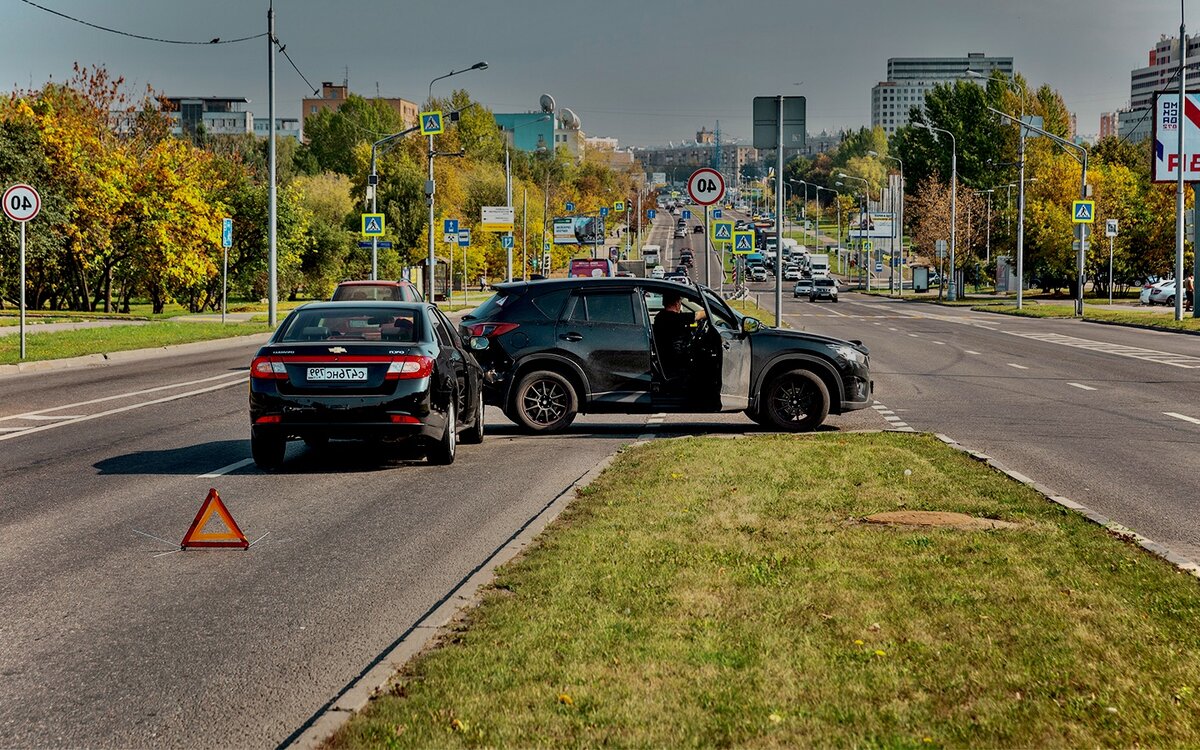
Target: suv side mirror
751 325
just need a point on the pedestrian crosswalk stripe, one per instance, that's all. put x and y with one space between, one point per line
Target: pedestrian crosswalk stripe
1120 350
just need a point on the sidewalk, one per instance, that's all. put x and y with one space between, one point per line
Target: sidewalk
34 327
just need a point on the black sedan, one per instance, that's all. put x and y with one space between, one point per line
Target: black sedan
395 371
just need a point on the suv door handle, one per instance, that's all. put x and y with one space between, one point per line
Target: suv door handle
572 337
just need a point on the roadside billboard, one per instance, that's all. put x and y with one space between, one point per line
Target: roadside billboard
578 230
658 179
1165 160
877 226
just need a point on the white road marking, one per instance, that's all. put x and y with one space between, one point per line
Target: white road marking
1019 367
968 351
1081 386
130 394
940 343
892 329
48 417
130 407
227 469
1184 417
914 335
1119 350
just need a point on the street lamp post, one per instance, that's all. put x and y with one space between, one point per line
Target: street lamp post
899 218
1082 231
864 224
431 261
950 295
1012 85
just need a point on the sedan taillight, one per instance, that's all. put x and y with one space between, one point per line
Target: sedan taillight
267 368
409 368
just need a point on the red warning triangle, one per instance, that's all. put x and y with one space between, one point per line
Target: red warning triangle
196 536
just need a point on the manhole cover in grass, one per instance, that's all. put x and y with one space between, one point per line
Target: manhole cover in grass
939 518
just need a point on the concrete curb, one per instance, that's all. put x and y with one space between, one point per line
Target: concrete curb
466 595
1179 561
130 355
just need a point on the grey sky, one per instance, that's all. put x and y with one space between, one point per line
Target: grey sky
645 71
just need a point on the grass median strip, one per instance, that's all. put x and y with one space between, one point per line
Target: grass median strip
121 337
1144 318
709 592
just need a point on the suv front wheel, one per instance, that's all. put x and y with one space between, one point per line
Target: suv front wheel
796 400
543 401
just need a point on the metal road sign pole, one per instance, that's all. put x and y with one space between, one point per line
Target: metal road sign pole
779 221
22 284
707 252
1180 196
224 281
1196 256
1110 264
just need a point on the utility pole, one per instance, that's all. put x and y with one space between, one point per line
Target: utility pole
272 265
1180 195
779 181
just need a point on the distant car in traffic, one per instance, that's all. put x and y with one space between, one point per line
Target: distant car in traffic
758 273
698 229
1160 293
803 288
397 291
791 273
658 272
823 289
562 347
389 371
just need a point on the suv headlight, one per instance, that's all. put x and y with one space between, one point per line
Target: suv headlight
850 354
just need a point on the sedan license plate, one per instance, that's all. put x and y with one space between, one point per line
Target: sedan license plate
337 373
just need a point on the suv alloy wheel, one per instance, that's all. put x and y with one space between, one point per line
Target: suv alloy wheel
796 401
544 401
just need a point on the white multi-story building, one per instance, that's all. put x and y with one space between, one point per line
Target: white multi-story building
1135 122
911 78
285 127
209 114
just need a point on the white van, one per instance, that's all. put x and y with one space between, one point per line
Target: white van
650 254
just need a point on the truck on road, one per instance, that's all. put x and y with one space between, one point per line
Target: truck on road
818 265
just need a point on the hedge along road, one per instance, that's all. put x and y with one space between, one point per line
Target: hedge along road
114 638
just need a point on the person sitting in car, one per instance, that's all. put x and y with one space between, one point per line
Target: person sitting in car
673 336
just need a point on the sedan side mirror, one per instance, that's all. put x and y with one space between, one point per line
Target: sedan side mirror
479 343
751 325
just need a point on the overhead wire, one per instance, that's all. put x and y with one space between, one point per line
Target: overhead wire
161 40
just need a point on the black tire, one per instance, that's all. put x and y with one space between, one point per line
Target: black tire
544 402
473 435
267 449
797 401
1170 301
441 453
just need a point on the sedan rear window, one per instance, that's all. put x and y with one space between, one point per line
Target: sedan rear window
354 324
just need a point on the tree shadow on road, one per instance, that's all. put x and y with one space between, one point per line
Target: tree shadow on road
195 460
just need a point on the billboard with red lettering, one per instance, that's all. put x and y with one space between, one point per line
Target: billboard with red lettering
1167 120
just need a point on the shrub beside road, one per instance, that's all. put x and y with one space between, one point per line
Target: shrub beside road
714 592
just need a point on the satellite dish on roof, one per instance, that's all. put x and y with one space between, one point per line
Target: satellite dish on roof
570 120
547 103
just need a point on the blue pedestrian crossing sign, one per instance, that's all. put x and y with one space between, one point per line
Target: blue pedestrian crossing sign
227 233
570 207
464 238
619 207
604 210
687 214
743 243
450 226
372 225
1084 212
506 241
431 123
722 231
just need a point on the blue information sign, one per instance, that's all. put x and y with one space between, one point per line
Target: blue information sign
450 226
570 207
716 213
464 238
604 210
227 233
651 213
506 241
687 214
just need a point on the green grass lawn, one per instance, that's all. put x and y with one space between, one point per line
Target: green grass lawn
59 344
726 593
1134 317
751 309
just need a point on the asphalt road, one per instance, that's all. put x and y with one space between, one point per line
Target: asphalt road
114 638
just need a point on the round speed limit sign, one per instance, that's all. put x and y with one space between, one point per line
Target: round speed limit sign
21 203
706 186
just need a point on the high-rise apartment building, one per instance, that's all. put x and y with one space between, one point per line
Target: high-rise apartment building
911 78
1163 60
1109 123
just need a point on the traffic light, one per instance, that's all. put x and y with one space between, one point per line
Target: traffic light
545 262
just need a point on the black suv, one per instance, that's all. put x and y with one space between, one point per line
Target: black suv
551 349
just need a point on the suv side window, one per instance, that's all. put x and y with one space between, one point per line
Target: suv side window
446 328
614 308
